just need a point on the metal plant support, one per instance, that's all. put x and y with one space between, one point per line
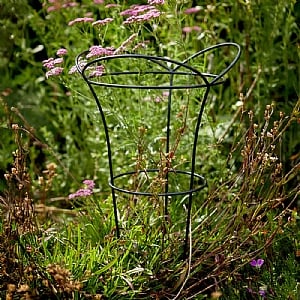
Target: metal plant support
169 71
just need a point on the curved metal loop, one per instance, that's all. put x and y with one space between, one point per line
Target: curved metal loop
156 60
162 62
221 45
201 183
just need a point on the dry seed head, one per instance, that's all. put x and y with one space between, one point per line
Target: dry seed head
273 158
142 129
51 166
7 176
23 288
11 288
216 295
41 180
15 126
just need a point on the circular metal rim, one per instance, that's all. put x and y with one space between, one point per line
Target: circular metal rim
186 192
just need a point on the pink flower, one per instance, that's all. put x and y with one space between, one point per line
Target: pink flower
54 72
51 62
100 51
89 183
98 71
81 20
140 45
48 63
81 193
69 4
126 43
192 10
73 70
135 10
190 29
57 5
257 263
84 192
51 8
151 2
112 5
61 52
102 22
151 14
98 1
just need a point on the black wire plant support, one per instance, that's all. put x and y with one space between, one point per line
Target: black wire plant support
202 81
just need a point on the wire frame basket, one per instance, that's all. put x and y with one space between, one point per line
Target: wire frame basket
142 75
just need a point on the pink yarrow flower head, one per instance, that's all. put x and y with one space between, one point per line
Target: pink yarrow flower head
110 5
81 193
151 14
102 22
48 63
192 10
89 183
98 71
61 52
74 69
54 72
98 1
81 20
189 29
70 4
51 62
135 10
257 263
153 2
88 191
100 51
59 4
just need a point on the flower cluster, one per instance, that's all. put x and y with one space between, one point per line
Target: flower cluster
192 10
153 2
134 14
257 263
90 184
135 10
59 4
81 20
94 71
100 51
189 29
51 63
102 22
140 13
98 71
262 291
